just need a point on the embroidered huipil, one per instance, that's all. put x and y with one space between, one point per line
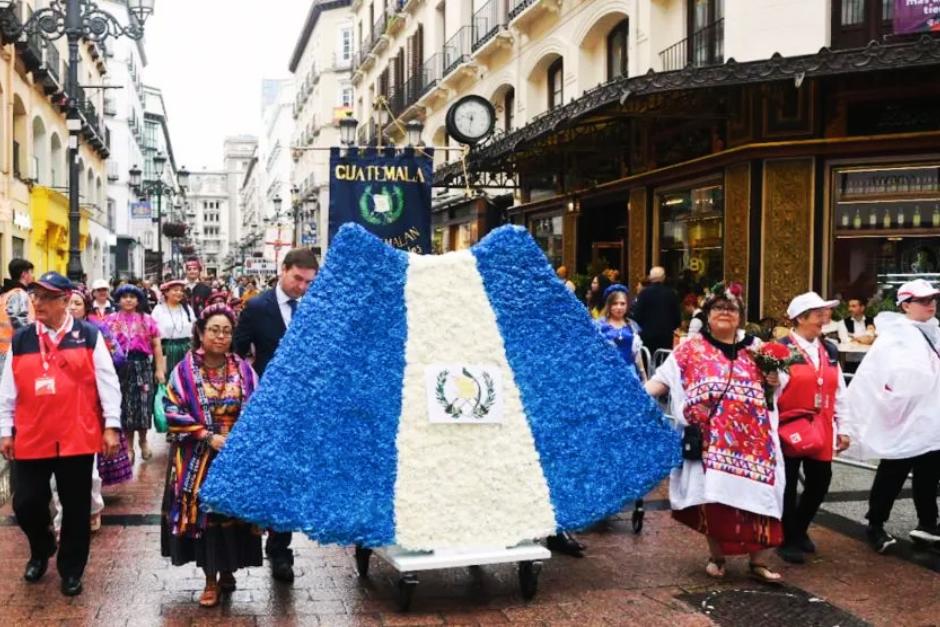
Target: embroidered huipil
742 465
134 332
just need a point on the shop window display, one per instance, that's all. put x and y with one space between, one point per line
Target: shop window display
691 236
547 232
886 227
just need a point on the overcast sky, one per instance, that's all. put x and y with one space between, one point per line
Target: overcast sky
208 57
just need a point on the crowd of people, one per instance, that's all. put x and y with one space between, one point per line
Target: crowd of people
85 370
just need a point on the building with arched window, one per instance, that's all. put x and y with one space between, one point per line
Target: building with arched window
34 186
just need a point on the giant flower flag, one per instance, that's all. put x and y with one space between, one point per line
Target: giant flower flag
461 400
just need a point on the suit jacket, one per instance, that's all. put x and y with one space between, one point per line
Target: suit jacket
657 311
260 325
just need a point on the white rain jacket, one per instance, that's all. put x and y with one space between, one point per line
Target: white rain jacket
894 399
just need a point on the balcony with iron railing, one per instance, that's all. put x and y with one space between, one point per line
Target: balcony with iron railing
486 23
457 50
432 72
703 48
521 11
342 62
378 40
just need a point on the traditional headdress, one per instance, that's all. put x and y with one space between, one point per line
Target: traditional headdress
127 288
218 309
732 291
172 283
616 287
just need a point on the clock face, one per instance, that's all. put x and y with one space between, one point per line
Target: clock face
471 119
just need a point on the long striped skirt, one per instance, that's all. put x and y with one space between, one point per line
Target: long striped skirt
137 390
736 530
174 351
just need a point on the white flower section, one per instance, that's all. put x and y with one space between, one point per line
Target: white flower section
462 485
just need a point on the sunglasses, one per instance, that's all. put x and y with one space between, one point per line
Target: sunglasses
924 300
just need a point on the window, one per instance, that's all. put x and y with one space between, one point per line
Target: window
617 43
346 42
556 84
346 97
853 12
547 232
509 107
690 235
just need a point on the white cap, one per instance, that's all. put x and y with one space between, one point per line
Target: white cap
810 300
100 284
918 288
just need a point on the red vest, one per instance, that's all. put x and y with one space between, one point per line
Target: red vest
803 388
69 422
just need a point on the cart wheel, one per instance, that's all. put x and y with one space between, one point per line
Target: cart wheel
362 561
406 590
638 514
529 578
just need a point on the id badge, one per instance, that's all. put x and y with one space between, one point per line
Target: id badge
45 386
817 401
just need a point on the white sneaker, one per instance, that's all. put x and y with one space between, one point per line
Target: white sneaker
926 534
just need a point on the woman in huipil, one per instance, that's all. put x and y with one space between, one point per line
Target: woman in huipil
138 335
731 488
175 318
205 396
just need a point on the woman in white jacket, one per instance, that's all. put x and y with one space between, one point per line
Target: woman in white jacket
894 400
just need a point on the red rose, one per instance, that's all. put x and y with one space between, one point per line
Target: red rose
736 290
775 350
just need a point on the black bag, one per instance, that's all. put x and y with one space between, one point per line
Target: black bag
692 444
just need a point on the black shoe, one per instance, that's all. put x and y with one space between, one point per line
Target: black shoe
806 545
880 539
282 571
926 533
35 569
791 554
566 544
71 586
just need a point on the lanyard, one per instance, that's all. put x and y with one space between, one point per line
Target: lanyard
56 338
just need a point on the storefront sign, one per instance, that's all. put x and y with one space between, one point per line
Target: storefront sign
141 210
388 193
260 266
464 393
916 16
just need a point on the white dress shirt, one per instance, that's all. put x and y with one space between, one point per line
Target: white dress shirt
861 330
109 388
282 298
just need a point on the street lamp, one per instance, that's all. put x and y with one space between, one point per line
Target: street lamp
347 129
76 20
157 187
413 131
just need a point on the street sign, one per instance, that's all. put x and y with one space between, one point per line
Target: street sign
141 210
260 266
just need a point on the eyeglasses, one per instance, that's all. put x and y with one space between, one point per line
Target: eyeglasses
726 308
226 332
45 295
924 300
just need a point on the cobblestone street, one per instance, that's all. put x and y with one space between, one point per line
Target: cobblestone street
654 578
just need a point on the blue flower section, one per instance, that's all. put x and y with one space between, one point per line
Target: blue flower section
602 440
315 449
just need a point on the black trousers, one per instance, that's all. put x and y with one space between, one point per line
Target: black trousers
890 478
277 547
31 496
799 511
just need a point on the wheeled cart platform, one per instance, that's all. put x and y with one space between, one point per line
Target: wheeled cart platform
528 555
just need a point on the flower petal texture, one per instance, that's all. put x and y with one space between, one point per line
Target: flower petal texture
337 441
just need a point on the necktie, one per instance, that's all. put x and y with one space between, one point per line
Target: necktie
292 303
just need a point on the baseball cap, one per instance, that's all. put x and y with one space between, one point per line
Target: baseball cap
918 288
54 282
810 300
100 284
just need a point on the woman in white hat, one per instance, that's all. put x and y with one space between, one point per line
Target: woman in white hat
101 304
894 400
811 405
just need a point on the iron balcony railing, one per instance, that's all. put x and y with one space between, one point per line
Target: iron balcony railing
397 100
518 6
52 61
704 47
378 29
432 71
486 23
414 87
457 49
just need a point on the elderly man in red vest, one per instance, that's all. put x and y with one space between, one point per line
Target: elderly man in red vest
60 404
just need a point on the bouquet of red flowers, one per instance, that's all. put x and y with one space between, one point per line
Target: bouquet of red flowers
773 357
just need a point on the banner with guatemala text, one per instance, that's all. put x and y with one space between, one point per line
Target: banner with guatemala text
388 192
916 16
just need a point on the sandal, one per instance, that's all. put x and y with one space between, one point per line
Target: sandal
227 582
210 596
715 567
761 573
145 453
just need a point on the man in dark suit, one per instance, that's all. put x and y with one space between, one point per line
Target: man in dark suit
260 328
657 312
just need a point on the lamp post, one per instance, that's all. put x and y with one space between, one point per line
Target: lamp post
278 244
157 187
75 20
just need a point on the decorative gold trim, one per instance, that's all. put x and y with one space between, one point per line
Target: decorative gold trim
737 222
636 236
